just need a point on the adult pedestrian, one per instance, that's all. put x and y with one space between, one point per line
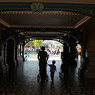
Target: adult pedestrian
42 57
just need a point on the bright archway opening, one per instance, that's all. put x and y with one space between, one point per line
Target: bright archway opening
53 48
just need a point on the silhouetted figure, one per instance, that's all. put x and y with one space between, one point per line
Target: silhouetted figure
84 67
62 68
52 69
66 65
62 56
42 57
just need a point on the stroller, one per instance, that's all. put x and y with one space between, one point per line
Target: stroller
39 77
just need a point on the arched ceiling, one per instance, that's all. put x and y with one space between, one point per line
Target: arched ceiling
42 20
43 16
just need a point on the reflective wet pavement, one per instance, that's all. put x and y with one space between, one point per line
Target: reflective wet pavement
23 81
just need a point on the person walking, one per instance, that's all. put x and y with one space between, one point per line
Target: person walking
42 57
66 66
52 69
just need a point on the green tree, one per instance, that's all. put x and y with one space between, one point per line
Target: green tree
37 43
30 42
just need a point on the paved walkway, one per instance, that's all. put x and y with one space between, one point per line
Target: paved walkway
52 57
23 81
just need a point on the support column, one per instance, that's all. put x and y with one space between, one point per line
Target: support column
88 42
66 61
72 52
23 52
91 68
16 53
84 57
10 54
0 41
66 48
5 54
91 51
0 48
62 54
20 49
2 66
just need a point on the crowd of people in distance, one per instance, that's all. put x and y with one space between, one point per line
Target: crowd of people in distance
49 51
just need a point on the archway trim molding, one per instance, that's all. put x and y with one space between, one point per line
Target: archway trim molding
86 9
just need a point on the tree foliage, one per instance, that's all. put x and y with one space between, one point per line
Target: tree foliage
37 43
30 42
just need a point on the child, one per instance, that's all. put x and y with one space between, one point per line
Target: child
52 69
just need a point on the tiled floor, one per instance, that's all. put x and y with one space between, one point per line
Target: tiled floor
23 81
